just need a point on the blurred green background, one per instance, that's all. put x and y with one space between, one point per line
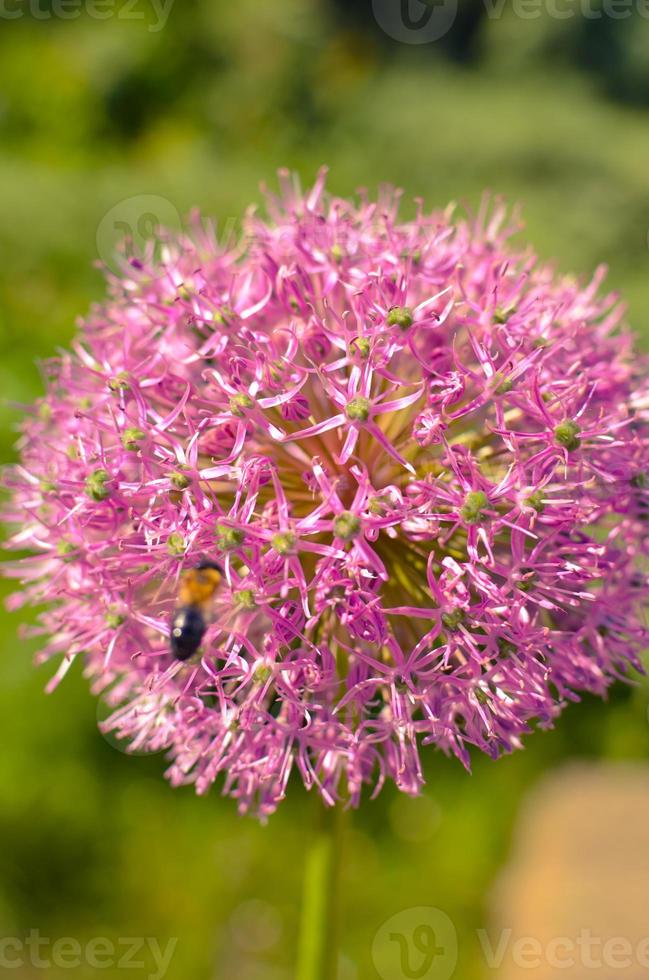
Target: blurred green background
550 112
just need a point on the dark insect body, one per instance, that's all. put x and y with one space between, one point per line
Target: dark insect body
189 620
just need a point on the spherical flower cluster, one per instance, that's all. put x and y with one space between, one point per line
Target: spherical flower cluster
419 457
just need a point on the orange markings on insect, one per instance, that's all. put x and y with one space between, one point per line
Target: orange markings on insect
198 585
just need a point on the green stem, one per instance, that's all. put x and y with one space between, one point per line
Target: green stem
318 940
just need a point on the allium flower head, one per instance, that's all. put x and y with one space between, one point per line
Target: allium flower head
419 457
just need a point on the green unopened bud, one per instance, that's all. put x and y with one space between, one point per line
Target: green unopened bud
65 549
536 500
240 403
360 346
502 385
120 382
95 485
474 504
566 434
114 620
640 481
44 412
245 598
229 538
539 342
131 439
179 480
46 486
347 525
481 696
337 253
276 370
263 673
223 315
400 316
176 545
503 313
283 542
358 409
505 648
452 620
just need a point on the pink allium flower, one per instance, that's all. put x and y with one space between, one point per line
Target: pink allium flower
419 456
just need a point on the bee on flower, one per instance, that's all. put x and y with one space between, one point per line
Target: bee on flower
189 621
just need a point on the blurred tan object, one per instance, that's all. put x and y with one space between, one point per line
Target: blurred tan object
572 902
